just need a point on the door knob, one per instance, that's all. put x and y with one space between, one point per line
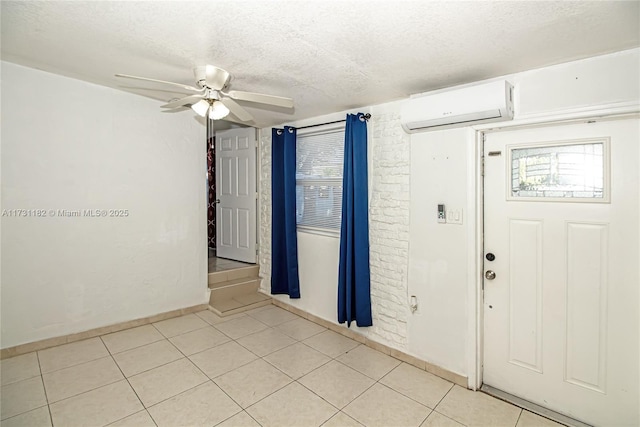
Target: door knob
217 201
490 275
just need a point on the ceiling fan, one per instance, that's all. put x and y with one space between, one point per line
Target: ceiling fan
209 98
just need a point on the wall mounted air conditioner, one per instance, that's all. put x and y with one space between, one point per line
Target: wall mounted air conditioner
487 102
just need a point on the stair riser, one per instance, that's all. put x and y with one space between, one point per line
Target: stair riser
234 290
233 282
238 273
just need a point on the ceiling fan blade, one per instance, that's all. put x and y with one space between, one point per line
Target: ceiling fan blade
260 98
185 87
155 89
231 118
183 101
237 110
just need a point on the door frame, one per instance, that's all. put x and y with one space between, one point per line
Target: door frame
475 203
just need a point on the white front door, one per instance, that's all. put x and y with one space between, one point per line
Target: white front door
562 227
236 193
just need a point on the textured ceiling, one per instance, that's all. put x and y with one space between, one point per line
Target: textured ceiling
326 55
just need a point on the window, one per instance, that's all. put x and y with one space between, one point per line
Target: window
569 171
320 157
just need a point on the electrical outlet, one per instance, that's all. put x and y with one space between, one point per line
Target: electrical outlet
413 304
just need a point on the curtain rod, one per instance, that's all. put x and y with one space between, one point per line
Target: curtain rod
366 116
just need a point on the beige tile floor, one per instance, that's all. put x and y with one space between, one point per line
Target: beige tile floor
265 367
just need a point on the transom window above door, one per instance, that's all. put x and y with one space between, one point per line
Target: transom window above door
565 171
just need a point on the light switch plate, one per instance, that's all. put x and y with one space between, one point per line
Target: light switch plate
454 216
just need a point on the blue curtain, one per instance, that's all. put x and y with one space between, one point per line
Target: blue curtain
284 241
354 297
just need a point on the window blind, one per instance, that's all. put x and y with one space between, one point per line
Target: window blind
320 158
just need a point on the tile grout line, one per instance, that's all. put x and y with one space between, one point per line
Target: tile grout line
150 369
445 395
258 358
352 400
448 417
409 397
130 415
266 361
70 366
346 415
312 335
368 388
440 401
4 420
367 375
273 392
235 339
184 356
130 386
519 416
173 318
46 397
132 348
209 379
316 394
307 373
86 391
218 376
237 413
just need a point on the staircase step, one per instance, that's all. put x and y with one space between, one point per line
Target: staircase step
238 304
236 290
228 283
236 273
245 287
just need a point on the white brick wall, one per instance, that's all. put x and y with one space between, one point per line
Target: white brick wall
390 161
389 177
264 188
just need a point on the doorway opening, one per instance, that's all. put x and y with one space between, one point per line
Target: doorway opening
233 277
232 198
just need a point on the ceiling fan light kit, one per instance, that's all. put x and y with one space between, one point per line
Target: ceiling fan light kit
200 107
209 98
218 110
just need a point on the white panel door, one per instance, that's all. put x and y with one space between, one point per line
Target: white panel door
561 315
236 193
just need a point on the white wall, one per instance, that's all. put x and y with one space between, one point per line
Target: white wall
410 253
68 144
438 276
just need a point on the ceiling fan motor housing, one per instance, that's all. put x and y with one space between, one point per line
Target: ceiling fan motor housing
211 77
